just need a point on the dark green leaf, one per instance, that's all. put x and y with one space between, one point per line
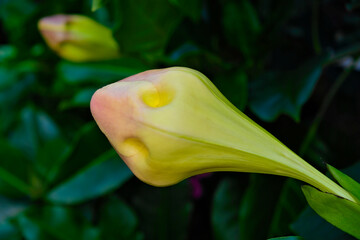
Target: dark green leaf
311 226
106 173
9 231
191 8
55 222
50 158
340 212
346 182
81 99
290 204
10 208
31 230
225 210
96 4
12 88
242 26
146 26
235 87
118 221
259 200
164 213
34 129
13 179
89 143
278 93
99 72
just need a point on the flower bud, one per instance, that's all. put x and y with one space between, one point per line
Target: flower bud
78 38
170 124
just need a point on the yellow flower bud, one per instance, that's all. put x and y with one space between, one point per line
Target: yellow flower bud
173 123
78 38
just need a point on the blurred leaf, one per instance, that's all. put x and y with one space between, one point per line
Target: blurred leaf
225 210
81 99
9 231
118 221
234 211
164 213
31 230
13 171
311 226
106 173
15 15
242 26
99 72
352 5
7 52
96 4
346 182
276 93
146 26
191 8
287 238
235 87
10 208
34 129
50 158
55 222
259 200
340 212
89 143
13 85
290 204
192 56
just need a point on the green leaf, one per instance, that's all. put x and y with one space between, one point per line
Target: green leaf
55 222
96 4
163 213
118 221
340 212
225 210
234 210
8 231
12 88
146 26
259 200
277 93
235 87
242 26
50 158
10 208
89 143
311 226
106 173
13 179
99 72
35 128
191 8
80 99
290 204
345 181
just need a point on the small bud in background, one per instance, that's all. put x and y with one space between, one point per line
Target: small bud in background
171 124
78 38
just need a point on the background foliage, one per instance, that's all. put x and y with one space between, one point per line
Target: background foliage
291 65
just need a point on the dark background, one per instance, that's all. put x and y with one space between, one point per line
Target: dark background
290 65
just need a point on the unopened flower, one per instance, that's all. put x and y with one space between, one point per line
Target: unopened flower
170 124
78 38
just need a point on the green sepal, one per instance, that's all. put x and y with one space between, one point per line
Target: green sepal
340 212
346 182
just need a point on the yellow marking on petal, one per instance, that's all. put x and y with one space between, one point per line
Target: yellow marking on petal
158 96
